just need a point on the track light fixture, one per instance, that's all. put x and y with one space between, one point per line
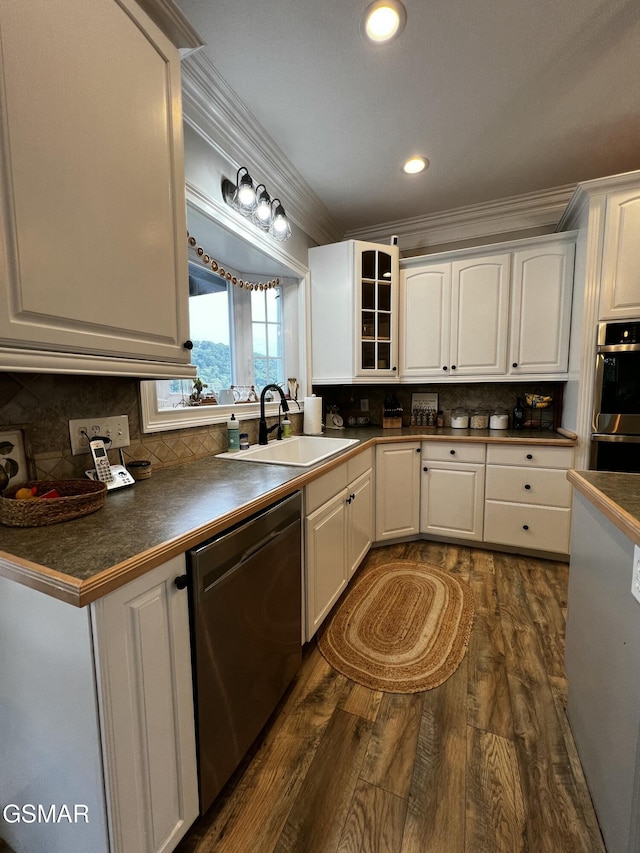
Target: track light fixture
255 203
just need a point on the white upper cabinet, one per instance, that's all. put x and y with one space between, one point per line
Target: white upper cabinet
478 315
425 312
620 293
354 312
454 317
92 226
541 308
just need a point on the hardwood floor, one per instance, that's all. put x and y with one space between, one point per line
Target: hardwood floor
485 763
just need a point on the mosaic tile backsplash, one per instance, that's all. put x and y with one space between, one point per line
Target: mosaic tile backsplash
42 404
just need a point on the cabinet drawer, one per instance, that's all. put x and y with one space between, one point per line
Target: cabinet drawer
324 488
357 465
547 486
539 527
539 456
453 451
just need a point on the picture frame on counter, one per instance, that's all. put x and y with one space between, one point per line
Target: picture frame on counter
424 400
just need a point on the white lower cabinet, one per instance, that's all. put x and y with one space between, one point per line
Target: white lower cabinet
452 490
97 714
338 533
145 689
513 495
359 520
528 498
397 490
326 559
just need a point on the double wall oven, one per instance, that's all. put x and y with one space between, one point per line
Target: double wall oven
615 441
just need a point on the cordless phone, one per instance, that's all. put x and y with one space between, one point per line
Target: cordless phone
114 476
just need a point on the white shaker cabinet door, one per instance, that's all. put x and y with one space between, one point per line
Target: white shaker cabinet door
145 686
92 227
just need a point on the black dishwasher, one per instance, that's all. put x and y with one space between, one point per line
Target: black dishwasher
246 631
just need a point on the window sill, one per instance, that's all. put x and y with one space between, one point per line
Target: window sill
154 419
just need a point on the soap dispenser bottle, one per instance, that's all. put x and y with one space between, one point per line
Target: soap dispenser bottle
233 434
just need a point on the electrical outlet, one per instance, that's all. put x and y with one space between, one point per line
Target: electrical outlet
116 428
635 579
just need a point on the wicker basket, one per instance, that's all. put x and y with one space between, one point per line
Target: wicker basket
77 498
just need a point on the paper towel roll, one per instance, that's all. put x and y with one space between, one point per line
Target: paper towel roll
312 416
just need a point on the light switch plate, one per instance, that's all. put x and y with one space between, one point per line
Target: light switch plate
635 580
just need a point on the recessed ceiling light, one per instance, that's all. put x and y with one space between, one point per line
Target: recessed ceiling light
415 165
384 20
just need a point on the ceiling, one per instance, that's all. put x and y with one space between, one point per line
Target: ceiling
504 97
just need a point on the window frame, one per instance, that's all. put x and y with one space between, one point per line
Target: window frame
268 358
294 330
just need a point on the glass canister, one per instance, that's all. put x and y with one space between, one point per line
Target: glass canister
499 419
479 419
459 418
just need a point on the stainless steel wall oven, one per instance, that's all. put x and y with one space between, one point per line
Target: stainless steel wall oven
615 444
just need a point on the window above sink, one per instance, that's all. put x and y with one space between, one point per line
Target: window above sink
243 338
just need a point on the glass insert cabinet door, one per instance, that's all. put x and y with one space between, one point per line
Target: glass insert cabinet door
377 284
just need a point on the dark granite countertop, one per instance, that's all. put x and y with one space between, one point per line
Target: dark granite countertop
140 527
615 494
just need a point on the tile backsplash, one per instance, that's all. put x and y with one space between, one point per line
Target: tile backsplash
43 404
484 395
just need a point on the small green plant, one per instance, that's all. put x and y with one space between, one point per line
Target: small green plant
198 386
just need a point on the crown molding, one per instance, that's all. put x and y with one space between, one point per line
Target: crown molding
166 15
488 219
212 109
587 190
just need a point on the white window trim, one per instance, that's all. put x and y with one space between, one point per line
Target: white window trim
159 420
154 419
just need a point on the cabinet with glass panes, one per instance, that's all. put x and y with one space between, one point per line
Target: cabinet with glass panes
354 305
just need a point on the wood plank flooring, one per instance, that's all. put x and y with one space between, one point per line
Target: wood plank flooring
485 763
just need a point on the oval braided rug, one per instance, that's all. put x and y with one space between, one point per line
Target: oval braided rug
403 627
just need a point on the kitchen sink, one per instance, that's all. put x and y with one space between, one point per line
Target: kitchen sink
300 450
